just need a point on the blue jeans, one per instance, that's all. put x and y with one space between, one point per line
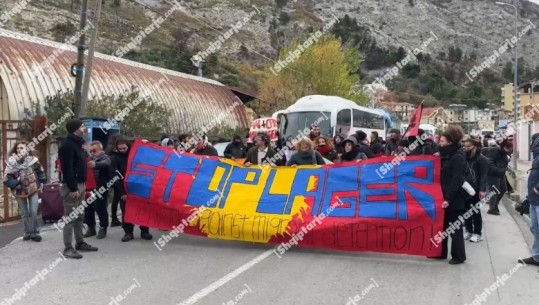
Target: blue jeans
534 227
28 209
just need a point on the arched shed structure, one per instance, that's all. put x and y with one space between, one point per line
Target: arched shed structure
194 102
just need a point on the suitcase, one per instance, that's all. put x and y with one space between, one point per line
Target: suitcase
52 203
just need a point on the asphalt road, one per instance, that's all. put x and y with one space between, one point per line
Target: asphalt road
196 270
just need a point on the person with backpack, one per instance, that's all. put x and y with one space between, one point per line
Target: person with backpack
533 200
305 155
475 173
498 158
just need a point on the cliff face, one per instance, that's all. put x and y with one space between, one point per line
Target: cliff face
478 26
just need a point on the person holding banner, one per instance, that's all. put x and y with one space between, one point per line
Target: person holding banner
119 163
391 145
325 148
452 178
204 148
306 154
351 151
235 149
262 153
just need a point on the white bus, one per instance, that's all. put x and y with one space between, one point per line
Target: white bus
334 115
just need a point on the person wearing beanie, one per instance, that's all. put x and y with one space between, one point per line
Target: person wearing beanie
74 171
533 199
453 159
498 158
235 149
362 143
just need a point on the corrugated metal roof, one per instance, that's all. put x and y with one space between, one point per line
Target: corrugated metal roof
192 100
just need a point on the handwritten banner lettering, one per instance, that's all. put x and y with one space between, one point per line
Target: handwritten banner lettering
395 213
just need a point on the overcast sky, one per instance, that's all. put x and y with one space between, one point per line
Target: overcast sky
534 1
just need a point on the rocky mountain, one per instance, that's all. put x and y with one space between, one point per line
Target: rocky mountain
474 26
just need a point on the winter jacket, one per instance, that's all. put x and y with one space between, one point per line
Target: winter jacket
452 176
119 163
498 161
234 150
207 151
103 170
479 165
377 148
312 157
391 147
73 160
24 178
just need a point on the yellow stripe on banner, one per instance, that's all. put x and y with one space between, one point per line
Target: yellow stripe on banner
214 184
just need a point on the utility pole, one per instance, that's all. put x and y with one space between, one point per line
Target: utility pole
80 58
88 72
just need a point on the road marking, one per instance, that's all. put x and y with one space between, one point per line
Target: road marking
225 279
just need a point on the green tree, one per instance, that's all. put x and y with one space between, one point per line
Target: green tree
146 118
507 71
326 67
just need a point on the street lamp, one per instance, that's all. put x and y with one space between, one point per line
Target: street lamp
515 84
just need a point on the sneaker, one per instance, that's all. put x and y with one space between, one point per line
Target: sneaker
127 237
115 223
71 253
146 235
85 247
102 233
36 238
476 238
528 261
89 233
467 235
27 237
493 212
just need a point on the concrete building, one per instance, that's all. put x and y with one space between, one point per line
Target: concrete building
436 116
401 110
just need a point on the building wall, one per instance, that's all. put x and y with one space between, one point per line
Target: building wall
507 97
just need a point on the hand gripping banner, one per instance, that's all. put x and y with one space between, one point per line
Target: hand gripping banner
379 205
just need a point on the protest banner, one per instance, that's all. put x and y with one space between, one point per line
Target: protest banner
397 213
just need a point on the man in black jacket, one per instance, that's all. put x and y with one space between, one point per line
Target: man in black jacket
102 170
73 162
262 153
204 148
498 158
392 142
376 144
235 149
119 163
364 148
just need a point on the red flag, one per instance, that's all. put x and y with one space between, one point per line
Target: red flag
415 120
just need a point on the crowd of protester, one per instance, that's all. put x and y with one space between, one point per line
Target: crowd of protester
482 163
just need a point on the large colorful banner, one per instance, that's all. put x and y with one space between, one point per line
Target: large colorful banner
380 205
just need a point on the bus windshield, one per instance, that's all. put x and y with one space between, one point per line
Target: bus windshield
295 122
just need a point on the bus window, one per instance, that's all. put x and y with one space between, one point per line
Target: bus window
344 121
358 118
